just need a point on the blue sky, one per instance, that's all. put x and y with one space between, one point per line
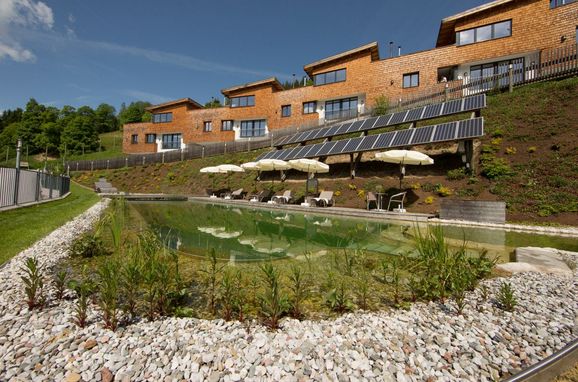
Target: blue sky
85 52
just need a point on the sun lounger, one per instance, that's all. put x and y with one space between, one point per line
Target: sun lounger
287 197
325 199
237 194
263 196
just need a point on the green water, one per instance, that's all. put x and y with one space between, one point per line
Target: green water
253 234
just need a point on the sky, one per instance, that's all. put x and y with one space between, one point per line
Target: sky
87 52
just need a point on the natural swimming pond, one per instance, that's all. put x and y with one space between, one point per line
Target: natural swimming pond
242 234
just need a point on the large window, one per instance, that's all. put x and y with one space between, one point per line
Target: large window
341 108
329 77
253 128
242 101
309 107
484 33
171 141
134 139
151 138
286 111
411 80
558 3
162 118
480 72
226 125
207 126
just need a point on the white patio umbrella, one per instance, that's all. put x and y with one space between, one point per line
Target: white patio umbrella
229 168
273 165
310 166
404 157
212 170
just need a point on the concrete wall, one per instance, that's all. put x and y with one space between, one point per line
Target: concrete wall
473 210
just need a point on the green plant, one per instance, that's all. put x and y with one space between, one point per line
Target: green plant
338 298
84 289
456 174
362 280
506 298
510 150
381 106
429 200
352 187
227 294
88 245
299 286
33 283
130 280
273 302
460 284
532 149
211 271
108 293
443 191
391 275
494 168
60 281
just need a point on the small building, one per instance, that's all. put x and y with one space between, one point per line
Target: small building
474 44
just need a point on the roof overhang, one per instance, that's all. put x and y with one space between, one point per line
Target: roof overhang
177 102
446 35
371 47
275 84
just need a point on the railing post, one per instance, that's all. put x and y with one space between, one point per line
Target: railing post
203 152
225 150
446 92
76 166
51 178
182 154
126 162
163 158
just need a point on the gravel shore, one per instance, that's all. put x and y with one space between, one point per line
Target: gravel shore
428 342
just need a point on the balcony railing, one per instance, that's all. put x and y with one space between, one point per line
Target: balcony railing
340 114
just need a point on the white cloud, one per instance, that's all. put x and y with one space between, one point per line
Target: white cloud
71 18
70 33
23 14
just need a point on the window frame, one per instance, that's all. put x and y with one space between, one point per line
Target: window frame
475 30
149 141
162 117
172 143
207 126
285 111
330 77
411 77
224 122
134 139
245 128
242 101
560 3
306 104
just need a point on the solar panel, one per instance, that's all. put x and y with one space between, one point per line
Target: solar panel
402 138
414 114
265 155
315 149
343 129
305 153
383 120
326 149
280 141
275 154
432 111
352 144
318 133
299 154
368 124
308 135
384 140
299 137
355 126
470 128
338 147
397 118
367 143
445 132
475 102
422 135
331 131
452 107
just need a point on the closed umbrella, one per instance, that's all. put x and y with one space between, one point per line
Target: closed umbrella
310 166
273 165
404 157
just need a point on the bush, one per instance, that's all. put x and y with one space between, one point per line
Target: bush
456 174
88 245
381 105
429 200
443 191
494 168
510 150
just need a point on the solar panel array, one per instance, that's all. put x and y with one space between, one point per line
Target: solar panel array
456 106
457 130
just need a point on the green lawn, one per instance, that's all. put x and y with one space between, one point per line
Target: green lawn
110 147
20 228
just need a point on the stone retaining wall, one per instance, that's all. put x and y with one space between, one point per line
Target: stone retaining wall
473 210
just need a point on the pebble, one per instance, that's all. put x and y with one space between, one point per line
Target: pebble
428 342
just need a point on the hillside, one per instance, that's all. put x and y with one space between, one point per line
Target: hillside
528 158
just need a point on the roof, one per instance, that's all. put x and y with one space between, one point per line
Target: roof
271 80
372 47
446 35
174 103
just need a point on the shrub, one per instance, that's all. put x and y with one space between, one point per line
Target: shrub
496 141
227 294
428 187
171 176
467 192
456 174
108 296
352 187
33 283
506 298
498 133
273 302
361 194
88 245
532 149
337 193
212 271
299 286
415 186
84 289
381 105
338 299
429 200
510 150
443 191
494 168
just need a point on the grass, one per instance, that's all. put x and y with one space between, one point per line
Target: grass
20 228
110 147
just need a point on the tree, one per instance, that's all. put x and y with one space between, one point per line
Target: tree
30 127
106 120
79 134
213 103
135 112
8 117
9 135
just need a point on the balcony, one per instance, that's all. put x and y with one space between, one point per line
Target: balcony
340 114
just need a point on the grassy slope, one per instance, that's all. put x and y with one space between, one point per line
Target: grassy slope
543 187
111 147
22 227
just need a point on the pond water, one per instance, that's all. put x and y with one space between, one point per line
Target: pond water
242 234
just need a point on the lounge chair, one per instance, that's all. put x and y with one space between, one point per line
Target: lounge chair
397 198
287 197
104 187
237 194
263 196
371 198
325 199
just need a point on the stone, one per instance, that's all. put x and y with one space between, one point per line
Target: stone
107 375
72 377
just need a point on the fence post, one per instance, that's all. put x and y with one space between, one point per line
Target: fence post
163 158
203 152
249 145
76 166
182 154
91 165
446 92
37 192
126 162
225 151
511 77
143 160
107 163
51 178
16 186
68 171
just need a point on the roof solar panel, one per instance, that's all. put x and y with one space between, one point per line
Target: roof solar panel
470 128
445 132
414 114
338 147
422 135
382 121
352 144
432 111
326 149
384 140
402 137
397 118
452 107
367 143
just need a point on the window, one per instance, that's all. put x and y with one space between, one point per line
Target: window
341 108
484 33
162 118
171 141
480 72
134 139
151 138
558 3
242 101
253 128
286 110
411 80
329 77
227 125
309 107
207 126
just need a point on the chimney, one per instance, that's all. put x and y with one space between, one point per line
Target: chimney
399 50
